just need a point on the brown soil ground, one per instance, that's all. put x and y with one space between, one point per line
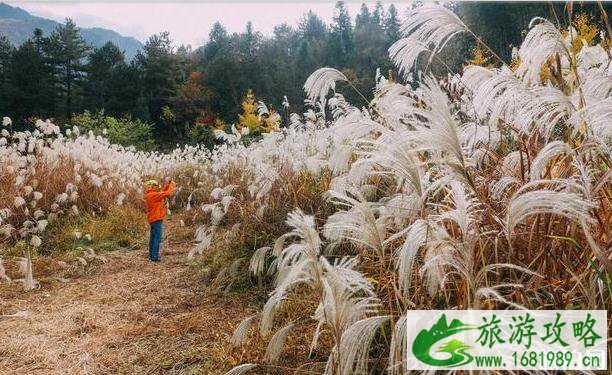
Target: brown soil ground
124 316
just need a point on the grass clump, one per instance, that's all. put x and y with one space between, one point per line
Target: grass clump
120 228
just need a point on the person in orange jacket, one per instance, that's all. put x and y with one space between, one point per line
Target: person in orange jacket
156 213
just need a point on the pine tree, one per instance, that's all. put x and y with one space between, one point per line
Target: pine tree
101 68
363 18
252 40
370 49
311 47
342 44
160 74
30 82
217 39
38 40
67 51
378 15
392 25
6 51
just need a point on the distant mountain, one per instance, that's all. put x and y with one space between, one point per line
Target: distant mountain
18 25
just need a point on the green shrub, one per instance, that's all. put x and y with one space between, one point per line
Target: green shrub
201 134
124 131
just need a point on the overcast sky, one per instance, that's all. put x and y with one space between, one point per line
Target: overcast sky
188 22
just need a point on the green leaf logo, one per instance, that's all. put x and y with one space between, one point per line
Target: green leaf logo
426 339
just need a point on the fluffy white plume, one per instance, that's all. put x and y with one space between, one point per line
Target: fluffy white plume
542 41
241 333
319 83
564 203
430 24
3 275
275 346
258 261
355 347
241 369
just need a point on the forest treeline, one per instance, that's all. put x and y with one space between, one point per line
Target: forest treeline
171 91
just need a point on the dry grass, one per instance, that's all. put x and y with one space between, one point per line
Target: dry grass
125 316
121 227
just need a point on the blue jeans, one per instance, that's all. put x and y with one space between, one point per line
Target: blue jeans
155 240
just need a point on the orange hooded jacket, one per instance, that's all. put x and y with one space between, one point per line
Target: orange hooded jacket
156 209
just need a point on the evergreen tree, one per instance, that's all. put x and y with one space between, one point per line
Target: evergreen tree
370 50
250 41
217 39
277 59
378 15
6 51
341 38
312 47
311 27
67 50
363 18
391 25
46 78
159 73
30 83
218 33
38 40
101 68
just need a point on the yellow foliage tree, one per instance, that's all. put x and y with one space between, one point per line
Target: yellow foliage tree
586 31
480 58
268 121
249 117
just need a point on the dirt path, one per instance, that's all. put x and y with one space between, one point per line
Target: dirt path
128 316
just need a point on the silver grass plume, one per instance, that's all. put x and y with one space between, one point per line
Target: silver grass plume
241 369
241 333
492 292
358 222
394 153
397 351
439 132
541 42
351 356
439 253
465 211
322 80
415 238
25 268
204 237
546 109
347 296
3 275
596 114
296 264
604 257
502 185
564 203
275 346
551 151
428 25
258 261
